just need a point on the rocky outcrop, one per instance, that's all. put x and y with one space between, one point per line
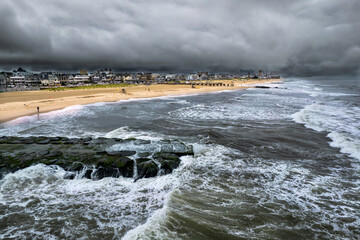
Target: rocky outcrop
93 158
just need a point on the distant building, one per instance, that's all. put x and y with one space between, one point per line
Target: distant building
17 80
170 76
80 79
3 81
192 77
128 78
203 75
83 72
21 72
50 80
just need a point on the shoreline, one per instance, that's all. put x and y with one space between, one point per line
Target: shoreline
19 104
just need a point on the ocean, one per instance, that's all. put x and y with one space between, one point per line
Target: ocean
270 163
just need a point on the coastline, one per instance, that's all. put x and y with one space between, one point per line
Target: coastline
19 104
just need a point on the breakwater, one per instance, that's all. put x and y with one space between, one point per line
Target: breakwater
93 158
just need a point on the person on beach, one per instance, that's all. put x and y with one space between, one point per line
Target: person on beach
38 109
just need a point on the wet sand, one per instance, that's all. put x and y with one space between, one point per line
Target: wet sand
18 104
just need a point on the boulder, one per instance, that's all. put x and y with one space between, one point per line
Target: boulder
179 149
147 169
125 166
143 154
102 172
43 153
69 175
43 140
166 156
54 154
168 166
121 153
87 174
74 167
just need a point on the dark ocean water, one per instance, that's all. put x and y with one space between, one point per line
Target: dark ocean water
278 163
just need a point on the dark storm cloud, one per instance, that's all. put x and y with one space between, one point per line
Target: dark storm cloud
304 37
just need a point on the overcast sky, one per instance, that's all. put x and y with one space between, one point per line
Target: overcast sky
297 37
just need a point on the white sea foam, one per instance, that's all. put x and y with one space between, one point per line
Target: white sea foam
125 133
282 188
115 204
247 107
341 121
155 226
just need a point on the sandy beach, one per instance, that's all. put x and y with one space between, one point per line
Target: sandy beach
18 104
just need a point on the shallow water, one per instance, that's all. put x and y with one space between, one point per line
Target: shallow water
278 163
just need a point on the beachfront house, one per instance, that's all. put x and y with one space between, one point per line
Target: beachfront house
33 80
50 80
80 79
170 77
17 80
2 80
20 72
203 75
192 77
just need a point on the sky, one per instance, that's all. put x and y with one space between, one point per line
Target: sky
297 37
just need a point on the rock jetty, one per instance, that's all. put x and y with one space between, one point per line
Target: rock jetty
93 158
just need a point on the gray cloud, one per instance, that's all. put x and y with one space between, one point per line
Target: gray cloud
302 37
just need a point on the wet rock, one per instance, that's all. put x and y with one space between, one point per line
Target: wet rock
168 166
72 141
75 166
147 169
29 140
27 159
121 153
49 162
144 154
4 171
55 140
140 160
122 161
86 141
113 153
101 152
61 163
43 140
17 141
106 172
69 175
179 149
43 153
54 154
125 166
88 173
168 161
105 162
262 87
166 156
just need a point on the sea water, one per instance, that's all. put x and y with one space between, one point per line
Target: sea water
276 163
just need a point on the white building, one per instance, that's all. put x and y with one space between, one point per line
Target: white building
17 80
192 77
81 79
51 80
170 76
